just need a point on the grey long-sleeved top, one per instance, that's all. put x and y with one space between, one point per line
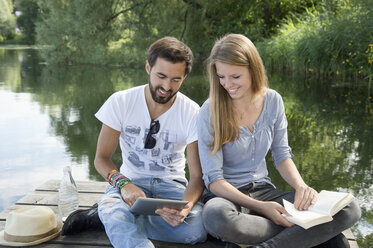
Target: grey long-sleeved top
243 161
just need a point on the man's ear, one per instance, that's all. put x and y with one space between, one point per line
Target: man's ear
147 67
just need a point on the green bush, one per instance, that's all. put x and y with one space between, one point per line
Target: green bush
325 42
7 20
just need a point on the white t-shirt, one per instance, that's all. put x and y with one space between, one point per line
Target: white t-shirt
126 111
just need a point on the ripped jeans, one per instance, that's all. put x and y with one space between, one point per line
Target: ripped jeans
127 230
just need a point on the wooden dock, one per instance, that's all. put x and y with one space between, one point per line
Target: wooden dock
89 193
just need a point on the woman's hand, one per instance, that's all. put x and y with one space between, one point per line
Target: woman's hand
175 217
304 197
130 193
274 211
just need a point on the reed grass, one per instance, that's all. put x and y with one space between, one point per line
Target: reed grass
325 43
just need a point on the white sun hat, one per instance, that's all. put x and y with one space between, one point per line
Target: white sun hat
30 225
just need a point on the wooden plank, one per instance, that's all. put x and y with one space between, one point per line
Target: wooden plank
83 186
353 244
52 245
100 239
348 234
48 198
86 239
89 193
96 238
351 238
208 244
6 211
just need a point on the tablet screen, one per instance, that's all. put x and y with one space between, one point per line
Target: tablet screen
149 205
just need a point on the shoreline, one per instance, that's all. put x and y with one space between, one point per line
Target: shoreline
18 46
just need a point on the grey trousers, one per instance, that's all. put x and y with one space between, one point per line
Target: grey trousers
230 222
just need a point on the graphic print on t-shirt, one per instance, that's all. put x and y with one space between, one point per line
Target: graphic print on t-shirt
160 157
129 131
127 112
135 160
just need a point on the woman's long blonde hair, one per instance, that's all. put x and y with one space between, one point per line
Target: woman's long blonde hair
233 49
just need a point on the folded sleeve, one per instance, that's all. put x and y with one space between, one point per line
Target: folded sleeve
280 145
212 165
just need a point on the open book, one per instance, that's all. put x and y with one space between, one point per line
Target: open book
328 204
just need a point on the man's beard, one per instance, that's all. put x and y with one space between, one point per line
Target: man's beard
160 99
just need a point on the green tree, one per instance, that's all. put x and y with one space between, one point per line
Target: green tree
75 31
26 22
123 29
335 39
7 20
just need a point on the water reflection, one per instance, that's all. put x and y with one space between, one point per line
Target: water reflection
330 129
29 152
330 124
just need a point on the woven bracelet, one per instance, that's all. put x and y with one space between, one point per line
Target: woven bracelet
115 179
111 173
124 183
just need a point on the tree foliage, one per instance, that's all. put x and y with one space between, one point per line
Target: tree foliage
7 20
76 32
326 41
26 22
320 35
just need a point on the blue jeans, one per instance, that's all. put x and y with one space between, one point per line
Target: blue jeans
243 226
127 230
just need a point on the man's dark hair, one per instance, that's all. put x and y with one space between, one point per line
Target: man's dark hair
172 50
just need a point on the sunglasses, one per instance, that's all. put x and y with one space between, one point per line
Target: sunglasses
153 129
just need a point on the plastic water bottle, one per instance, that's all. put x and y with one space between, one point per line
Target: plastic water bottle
68 200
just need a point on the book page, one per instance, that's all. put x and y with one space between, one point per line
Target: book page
304 218
304 214
329 200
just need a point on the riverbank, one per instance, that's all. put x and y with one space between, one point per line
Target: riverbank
18 46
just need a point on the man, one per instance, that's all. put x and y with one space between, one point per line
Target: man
153 123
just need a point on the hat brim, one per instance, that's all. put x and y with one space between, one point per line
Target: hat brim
36 242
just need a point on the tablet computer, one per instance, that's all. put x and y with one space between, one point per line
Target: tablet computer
149 205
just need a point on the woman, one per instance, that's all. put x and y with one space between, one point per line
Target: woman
238 124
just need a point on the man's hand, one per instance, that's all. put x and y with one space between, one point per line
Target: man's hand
175 217
130 193
304 197
274 211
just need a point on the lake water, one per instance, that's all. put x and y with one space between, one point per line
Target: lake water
47 122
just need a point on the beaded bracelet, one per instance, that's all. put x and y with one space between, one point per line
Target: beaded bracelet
111 173
124 183
117 180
